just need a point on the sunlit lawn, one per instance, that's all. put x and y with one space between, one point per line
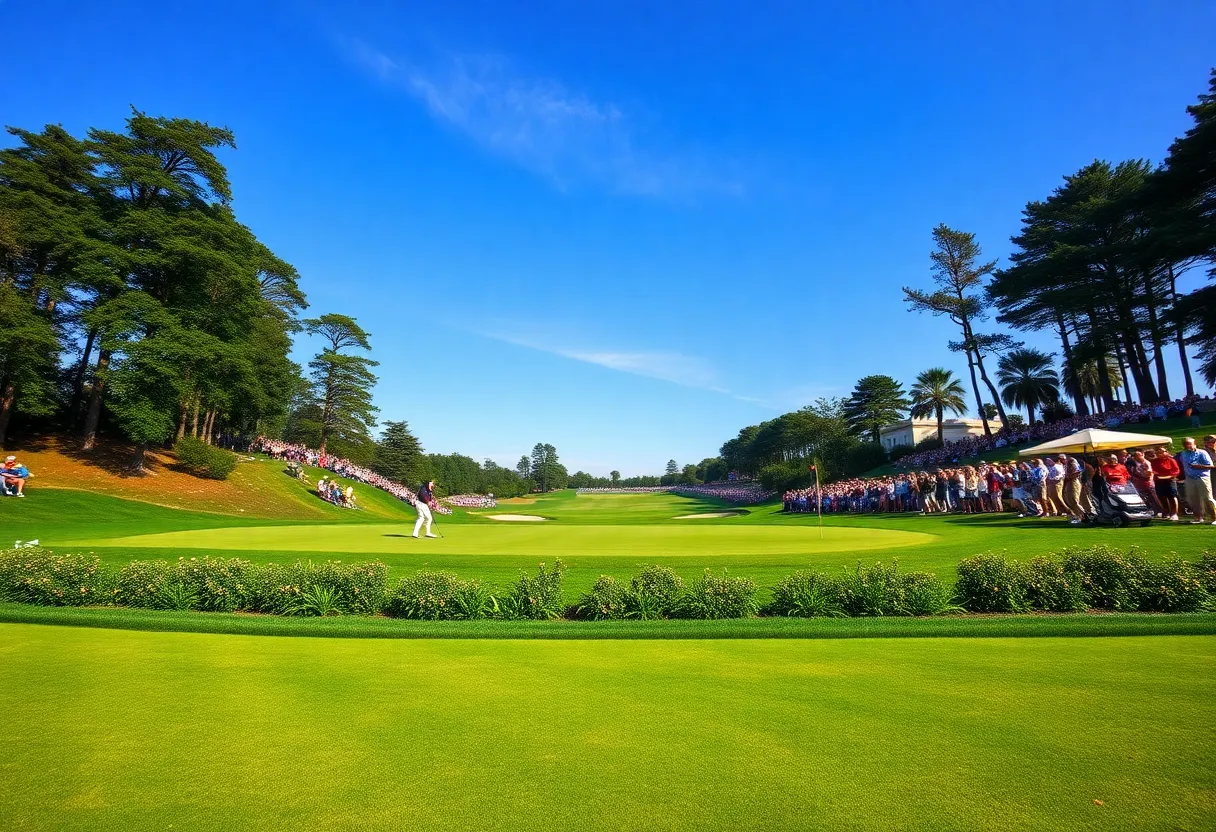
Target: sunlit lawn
114 730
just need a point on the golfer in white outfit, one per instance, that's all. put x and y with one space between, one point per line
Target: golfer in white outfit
426 499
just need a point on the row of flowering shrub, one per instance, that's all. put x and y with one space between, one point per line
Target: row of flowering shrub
1098 577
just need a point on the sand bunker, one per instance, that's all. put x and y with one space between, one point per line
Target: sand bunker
516 518
709 514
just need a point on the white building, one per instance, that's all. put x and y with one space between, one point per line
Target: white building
910 431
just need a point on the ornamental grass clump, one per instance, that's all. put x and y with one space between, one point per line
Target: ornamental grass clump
806 594
39 576
711 596
535 598
326 588
605 601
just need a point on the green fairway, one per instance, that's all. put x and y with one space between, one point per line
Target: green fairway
593 534
112 730
530 539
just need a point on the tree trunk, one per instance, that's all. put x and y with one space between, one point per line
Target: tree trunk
1163 386
8 395
78 381
1105 390
207 426
137 462
93 416
1180 335
1145 387
1077 397
194 418
1030 413
941 430
979 402
182 412
1127 388
996 398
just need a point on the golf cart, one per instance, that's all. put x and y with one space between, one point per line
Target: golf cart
1118 505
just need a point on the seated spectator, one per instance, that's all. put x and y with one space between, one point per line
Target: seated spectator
15 474
1113 471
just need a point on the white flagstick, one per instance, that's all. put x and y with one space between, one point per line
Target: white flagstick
818 499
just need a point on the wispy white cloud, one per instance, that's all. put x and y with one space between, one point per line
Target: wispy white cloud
665 365
542 125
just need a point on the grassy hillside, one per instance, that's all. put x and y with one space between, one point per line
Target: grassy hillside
257 488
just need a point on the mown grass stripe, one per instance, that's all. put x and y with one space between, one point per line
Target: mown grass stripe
1011 626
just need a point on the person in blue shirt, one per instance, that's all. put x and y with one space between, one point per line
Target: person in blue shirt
1196 469
15 474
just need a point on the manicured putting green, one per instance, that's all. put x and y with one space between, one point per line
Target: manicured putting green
553 540
114 730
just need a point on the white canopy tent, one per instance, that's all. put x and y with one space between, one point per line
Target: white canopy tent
1090 440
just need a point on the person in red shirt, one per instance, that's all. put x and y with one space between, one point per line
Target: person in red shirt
1114 472
1165 477
1142 477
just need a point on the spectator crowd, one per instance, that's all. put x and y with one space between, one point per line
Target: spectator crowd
1172 484
973 446
299 454
740 492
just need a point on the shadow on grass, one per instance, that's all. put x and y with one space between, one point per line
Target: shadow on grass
113 457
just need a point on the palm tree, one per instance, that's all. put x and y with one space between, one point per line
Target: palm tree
1080 377
1028 379
937 390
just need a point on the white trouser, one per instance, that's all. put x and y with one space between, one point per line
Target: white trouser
424 516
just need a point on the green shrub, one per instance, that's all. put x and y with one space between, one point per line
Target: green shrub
806 595
711 596
142 583
875 590
202 460
298 589
922 593
219 584
39 576
1110 577
535 598
209 584
439 596
1050 586
654 593
1173 585
989 583
606 600
1207 570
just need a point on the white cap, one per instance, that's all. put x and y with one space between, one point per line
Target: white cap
10 458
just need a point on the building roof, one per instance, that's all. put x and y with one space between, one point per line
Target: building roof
931 423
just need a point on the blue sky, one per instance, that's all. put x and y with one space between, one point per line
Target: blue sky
627 229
